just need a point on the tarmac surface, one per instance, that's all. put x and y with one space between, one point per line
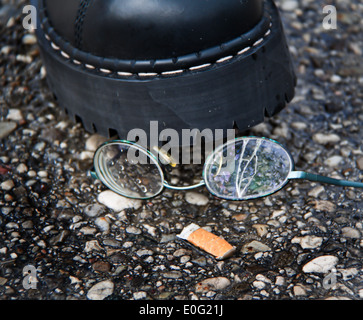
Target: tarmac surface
63 236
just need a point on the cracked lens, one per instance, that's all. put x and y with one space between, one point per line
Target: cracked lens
248 168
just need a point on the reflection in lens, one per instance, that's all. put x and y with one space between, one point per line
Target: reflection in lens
117 166
247 168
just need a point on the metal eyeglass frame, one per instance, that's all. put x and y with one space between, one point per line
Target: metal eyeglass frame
241 169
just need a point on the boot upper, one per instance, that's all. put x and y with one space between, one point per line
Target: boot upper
151 29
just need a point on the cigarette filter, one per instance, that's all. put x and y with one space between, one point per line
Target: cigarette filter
207 241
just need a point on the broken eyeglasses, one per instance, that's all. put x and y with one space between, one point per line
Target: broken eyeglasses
241 169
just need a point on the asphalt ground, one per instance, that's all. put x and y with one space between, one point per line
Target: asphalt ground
63 238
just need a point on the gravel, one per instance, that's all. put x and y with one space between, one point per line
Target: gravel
85 242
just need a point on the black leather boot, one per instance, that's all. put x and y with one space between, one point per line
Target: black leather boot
119 64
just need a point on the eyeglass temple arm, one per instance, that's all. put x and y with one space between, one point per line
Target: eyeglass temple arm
319 178
200 184
92 173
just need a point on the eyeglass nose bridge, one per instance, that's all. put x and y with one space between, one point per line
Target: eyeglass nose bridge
184 188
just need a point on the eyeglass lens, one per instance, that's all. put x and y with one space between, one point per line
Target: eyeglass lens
247 168
118 166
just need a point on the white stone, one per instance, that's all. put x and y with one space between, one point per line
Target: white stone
92 245
322 138
349 273
94 141
277 213
349 232
7 185
21 168
102 223
259 284
74 280
261 277
214 284
93 210
151 230
316 191
101 290
6 128
116 202
280 281
29 39
337 298
335 78
133 230
43 174
261 229
31 174
333 161
255 246
299 290
322 264
140 295
144 252
299 125
289 5
325 205
196 198
84 155
40 146
308 242
88 230
15 115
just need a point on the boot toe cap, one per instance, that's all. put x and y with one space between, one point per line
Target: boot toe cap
151 29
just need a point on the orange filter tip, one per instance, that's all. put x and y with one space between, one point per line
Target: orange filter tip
207 241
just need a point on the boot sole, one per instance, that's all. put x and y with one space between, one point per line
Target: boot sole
238 83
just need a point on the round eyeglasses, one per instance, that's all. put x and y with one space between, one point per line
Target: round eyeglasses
241 169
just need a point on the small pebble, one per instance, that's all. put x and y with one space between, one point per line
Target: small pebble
21 168
101 290
322 264
261 229
102 223
94 141
144 252
40 146
196 198
92 245
43 174
360 163
7 185
299 290
14 115
133 230
326 138
172 275
94 210
333 161
140 295
280 281
349 232
215 284
289 5
315 192
116 202
308 242
29 39
325 205
6 128
255 246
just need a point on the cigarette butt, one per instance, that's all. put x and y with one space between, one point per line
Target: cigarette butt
207 241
